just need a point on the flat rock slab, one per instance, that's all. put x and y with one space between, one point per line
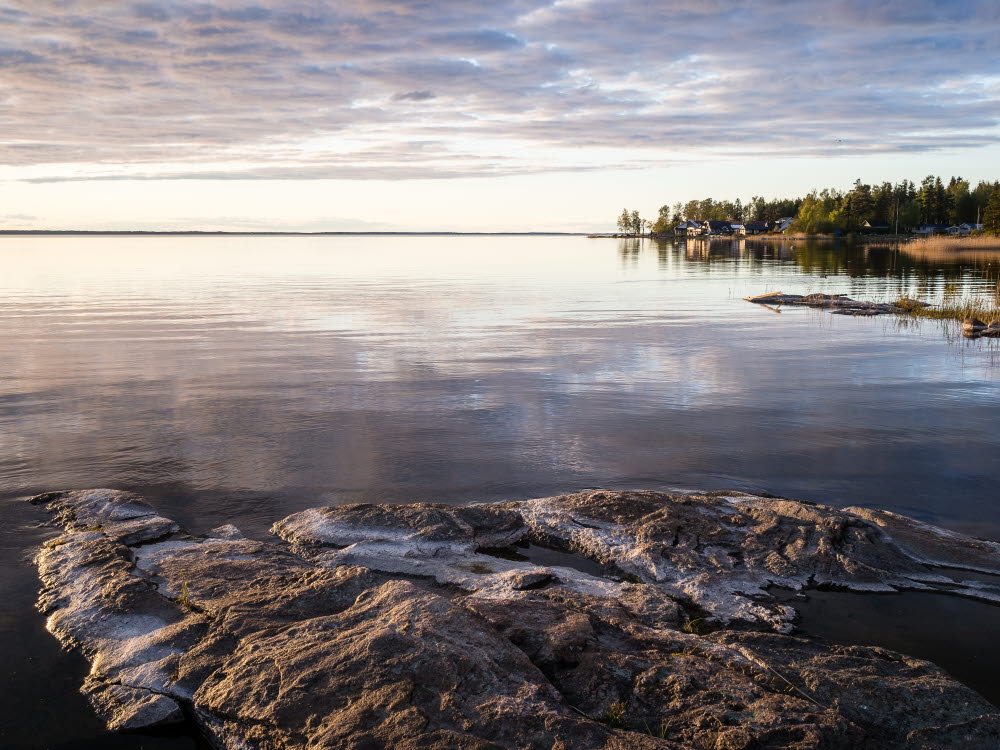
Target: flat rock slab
419 626
839 304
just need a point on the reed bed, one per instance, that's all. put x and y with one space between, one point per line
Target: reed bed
942 243
954 243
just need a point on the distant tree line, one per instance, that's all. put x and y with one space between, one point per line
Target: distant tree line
904 205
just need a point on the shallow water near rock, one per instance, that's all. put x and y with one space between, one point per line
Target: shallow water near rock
237 380
915 623
543 556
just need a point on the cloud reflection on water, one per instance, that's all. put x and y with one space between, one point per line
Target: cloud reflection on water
289 371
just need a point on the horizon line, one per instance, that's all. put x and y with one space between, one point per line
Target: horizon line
246 233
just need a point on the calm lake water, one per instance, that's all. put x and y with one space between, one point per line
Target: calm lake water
241 379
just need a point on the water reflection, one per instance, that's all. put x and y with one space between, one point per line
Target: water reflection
909 262
238 380
461 368
911 623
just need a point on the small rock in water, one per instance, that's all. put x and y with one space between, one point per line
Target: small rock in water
383 626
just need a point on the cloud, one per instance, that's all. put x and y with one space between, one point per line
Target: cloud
190 89
476 41
413 96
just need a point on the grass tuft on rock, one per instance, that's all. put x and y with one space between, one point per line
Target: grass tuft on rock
697 626
663 730
614 717
984 309
185 598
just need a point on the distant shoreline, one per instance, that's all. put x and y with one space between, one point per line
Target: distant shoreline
198 233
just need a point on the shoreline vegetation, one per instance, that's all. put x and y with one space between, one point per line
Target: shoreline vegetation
909 242
930 243
933 207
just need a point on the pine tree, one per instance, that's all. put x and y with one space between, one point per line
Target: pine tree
927 198
991 216
884 202
943 201
858 205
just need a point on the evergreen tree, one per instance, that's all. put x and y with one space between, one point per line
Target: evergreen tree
909 216
885 202
991 215
980 196
963 205
859 205
927 198
943 201
906 213
933 199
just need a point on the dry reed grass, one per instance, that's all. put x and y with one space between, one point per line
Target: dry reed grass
940 242
983 308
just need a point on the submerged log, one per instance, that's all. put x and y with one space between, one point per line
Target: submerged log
420 626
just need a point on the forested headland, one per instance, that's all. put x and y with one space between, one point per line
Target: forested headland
903 206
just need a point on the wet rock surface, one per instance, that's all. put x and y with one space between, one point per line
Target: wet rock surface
420 626
974 328
839 304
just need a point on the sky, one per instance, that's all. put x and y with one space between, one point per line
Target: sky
369 115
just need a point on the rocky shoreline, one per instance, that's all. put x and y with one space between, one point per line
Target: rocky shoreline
425 625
